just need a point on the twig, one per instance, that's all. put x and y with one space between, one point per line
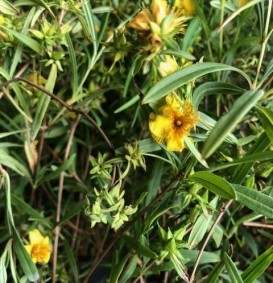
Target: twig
64 104
60 195
255 224
221 214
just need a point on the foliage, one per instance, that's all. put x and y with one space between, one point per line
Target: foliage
136 141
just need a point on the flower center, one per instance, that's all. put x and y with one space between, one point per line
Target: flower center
40 252
178 123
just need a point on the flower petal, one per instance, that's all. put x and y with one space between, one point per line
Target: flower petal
35 237
159 125
175 144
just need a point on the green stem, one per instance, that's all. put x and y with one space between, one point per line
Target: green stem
265 39
221 31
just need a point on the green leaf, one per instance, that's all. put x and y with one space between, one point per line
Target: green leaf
43 102
7 8
19 95
19 49
201 226
26 40
89 17
3 271
256 154
138 247
184 76
266 117
72 56
214 273
214 184
156 214
213 88
258 266
232 270
154 181
148 145
195 152
71 260
118 269
24 258
127 104
25 208
255 200
66 165
228 122
44 4
206 257
128 272
191 33
14 164
179 267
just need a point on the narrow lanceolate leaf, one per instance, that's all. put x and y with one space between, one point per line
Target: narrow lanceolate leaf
7 8
214 184
255 200
195 152
266 117
201 226
138 247
26 263
255 152
213 275
228 122
26 40
232 270
119 268
258 266
213 88
184 76
43 103
3 271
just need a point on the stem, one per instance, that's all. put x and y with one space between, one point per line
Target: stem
221 31
265 39
221 214
60 195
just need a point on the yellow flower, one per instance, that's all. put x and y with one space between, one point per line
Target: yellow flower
187 6
175 120
158 21
168 66
39 247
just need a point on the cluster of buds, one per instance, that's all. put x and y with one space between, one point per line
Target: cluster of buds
52 36
109 208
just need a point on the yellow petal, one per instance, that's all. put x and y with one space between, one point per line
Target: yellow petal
46 258
174 101
175 144
35 237
159 9
140 21
159 125
168 66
